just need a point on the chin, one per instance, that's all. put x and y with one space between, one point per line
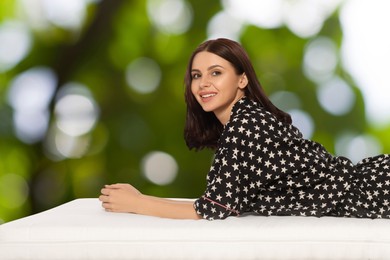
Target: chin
207 108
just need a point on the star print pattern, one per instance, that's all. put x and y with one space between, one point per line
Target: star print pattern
265 166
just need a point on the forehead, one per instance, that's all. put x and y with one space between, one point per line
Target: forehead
205 59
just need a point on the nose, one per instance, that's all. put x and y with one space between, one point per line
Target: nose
205 82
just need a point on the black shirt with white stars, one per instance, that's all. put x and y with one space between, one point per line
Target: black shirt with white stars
264 166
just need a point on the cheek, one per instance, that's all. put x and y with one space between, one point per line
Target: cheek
193 89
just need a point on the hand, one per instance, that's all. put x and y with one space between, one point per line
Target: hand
120 198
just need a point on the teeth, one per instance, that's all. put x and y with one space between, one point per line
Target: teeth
208 95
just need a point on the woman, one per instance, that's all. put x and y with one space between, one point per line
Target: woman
262 164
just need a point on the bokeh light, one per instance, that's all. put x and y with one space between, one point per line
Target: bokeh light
159 167
265 14
143 75
30 126
303 121
366 53
170 16
15 44
357 147
285 100
32 89
71 146
76 116
67 14
64 13
304 18
29 95
224 25
336 96
75 109
320 59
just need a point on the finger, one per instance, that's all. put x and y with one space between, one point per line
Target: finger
109 186
122 185
104 198
106 205
115 186
105 191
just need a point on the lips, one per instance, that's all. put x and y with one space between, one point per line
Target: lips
206 96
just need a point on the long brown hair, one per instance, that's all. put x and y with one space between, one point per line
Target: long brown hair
203 129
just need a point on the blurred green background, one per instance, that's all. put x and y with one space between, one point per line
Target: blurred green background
92 93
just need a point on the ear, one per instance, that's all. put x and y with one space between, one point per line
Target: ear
243 81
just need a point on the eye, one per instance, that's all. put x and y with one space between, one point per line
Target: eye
195 75
216 73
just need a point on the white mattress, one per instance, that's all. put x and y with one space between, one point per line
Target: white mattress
81 229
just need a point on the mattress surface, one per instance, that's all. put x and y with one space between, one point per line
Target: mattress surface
81 229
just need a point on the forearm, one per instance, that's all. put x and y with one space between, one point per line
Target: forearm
166 208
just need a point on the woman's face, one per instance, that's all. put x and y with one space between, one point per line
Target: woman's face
216 85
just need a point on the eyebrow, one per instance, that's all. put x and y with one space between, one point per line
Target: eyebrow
210 68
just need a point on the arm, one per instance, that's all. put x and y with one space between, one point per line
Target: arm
125 198
229 178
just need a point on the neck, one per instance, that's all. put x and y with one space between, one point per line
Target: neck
224 116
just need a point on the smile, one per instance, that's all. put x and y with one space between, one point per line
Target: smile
208 95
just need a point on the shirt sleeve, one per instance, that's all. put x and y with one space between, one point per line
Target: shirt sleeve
228 180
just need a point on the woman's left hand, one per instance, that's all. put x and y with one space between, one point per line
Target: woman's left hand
120 198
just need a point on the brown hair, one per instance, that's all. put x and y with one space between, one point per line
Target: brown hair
203 129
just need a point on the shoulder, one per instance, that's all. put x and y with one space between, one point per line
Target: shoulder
249 117
245 119
246 111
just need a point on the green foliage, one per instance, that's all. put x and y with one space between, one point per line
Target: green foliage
7 9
